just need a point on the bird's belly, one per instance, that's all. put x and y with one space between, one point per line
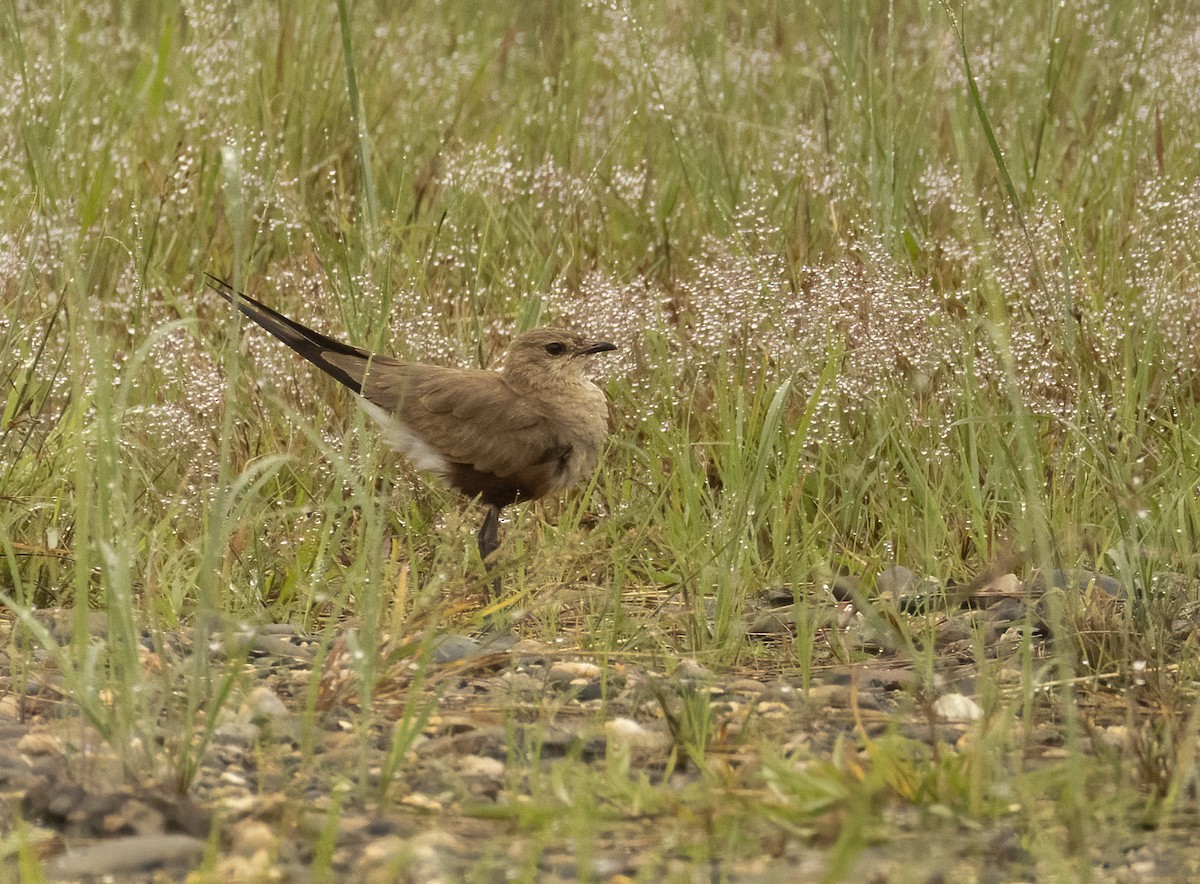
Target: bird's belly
500 491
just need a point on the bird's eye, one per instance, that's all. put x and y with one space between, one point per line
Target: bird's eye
556 349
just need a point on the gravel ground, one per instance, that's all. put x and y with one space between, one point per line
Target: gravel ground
474 738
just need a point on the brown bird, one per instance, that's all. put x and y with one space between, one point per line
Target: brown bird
530 429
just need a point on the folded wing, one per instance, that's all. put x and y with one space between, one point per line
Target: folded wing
470 417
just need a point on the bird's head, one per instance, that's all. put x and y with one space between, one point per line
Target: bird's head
548 357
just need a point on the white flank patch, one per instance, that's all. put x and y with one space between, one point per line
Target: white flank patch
396 434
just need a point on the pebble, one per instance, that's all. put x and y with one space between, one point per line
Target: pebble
382 851
1116 736
580 677
780 596
569 670
772 709
491 741
777 622
481 766
237 733
248 837
281 647
451 648
262 704
829 695
1080 580
420 801
1007 584
957 708
957 629
844 587
896 582
1011 610
37 744
627 732
691 670
259 866
131 855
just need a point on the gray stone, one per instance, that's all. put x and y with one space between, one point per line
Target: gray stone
451 648
132 855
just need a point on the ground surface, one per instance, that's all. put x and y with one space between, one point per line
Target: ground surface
481 760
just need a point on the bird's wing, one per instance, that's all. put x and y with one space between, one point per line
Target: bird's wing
470 417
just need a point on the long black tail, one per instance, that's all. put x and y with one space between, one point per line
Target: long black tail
312 345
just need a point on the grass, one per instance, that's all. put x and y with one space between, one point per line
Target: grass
893 283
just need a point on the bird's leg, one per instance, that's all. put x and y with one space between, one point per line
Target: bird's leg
489 534
489 542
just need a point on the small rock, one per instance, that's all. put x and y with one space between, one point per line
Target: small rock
481 766
1115 736
691 670
954 630
432 853
280 629
772 709
280 646
845 587
780 596
251 836
577 676
262 705
1005 584
589 691
890 679
835 695
491 741
570 670
497 642
779 622
255 867
911 593
1011 610
451 648
235 733
1080 580
381 852
628 733
420 801
132 855
896 582
957 708
35 745
783 692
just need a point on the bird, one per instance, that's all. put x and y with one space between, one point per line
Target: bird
532 428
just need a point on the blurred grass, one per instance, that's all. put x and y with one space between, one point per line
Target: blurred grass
872 309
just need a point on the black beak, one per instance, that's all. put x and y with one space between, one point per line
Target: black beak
598 347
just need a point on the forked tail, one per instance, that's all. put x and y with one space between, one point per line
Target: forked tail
312 345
